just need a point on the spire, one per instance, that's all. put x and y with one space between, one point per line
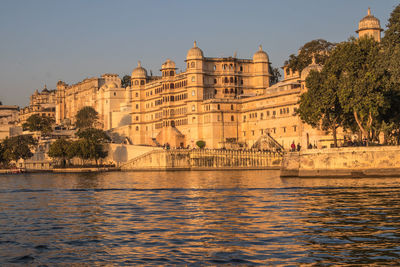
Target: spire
45 86
194 44
260 48
139 64
369 11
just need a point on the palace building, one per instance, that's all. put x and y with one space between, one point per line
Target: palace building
227 102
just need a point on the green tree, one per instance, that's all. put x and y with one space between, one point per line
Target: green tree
319 48
92 144
391 46
3 160
86 118
59 150
201 144
363 89
275 75
18 147
126 81
320 106
36 122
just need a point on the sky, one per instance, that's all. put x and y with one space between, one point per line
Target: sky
44 41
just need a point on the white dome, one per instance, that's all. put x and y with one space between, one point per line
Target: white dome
260 56
306 70
139 72
194 52
169 64
369 22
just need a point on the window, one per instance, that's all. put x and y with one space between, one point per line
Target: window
215 81
241 68
252 132
232 118
141 82
171 73
193 108
273 113
137 106
231 79
284 129
137 118
137 128
244 133
193 93
193 65
193 78
262 116
218 107
244 118
115 93
226 80
231 107
136 82
294 128
215 67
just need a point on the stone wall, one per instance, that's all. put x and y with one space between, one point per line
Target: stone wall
204 159
122 153
343 162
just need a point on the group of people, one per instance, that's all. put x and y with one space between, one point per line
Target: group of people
293 147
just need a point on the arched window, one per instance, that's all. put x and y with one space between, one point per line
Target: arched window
193 64
193 78
226 91
115 93
136 82
171 73
171 86
232 118
193 108
224 67
137 94
231 79
231 107
218 107
188 65
142 82
231 90
215 81
215 67
226 80
230 66
241 68
137 128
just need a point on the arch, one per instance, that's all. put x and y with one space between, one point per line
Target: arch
142 82
172 86
226 80
231 80
136 82
193 65
171 73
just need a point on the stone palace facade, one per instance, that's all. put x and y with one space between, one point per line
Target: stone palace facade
226 102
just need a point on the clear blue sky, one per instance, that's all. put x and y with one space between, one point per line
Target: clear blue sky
44 41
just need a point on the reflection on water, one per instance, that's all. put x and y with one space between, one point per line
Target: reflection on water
208 218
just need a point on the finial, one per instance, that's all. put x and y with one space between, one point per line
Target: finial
235 54
260 48
369 11
139 64
313 60
45 87
194 44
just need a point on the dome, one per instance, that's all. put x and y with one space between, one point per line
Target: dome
260 56
194 52
112 85
139 72
169 64
369 22
306 70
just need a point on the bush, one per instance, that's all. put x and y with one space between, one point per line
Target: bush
201 144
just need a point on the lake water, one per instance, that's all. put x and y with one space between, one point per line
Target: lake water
197 218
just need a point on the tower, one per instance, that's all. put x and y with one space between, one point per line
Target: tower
370 26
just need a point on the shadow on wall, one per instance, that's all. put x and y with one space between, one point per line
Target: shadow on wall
120 154
126 120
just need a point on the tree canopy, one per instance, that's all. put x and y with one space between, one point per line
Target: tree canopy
86 118
36 122
319 48
17 147
126 81
59 150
